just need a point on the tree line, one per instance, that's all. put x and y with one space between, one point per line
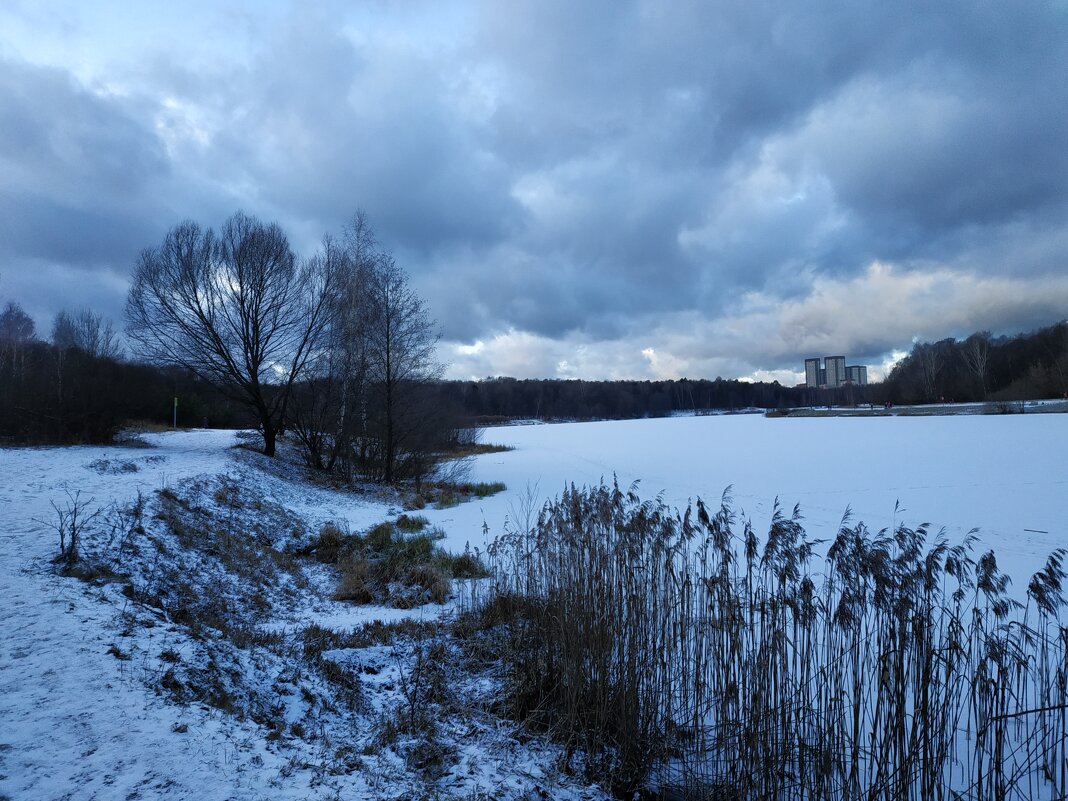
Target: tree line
336 348
76 386
493 399
983 367
980 367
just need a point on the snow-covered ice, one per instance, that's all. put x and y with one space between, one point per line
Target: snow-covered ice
1006 475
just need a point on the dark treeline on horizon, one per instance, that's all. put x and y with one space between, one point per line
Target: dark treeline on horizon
979 368
77 387
57 395
53 393
555 398
983 367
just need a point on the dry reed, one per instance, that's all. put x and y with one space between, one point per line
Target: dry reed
679 649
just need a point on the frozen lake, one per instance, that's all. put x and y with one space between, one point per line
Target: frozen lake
1006 475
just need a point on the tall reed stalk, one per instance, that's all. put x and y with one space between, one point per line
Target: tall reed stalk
676 648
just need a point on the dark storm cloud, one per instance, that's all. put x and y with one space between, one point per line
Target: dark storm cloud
791 142
586 176
78 170
334 125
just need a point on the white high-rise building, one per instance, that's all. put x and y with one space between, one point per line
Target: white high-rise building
836 370
812 373
834 373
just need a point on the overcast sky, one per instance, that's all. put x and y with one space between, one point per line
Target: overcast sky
579 189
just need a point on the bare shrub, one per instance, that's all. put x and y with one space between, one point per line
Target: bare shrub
412 727
72 519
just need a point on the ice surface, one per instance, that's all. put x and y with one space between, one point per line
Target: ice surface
1006 475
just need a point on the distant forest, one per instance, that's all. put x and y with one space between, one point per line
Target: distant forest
67 390
979 368
983 367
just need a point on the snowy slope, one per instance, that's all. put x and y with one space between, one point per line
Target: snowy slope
75 724
82 712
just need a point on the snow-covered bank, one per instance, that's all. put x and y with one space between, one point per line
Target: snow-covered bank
97 692
78 720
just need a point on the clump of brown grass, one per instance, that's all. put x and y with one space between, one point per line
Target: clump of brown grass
386 566
327 545
411 524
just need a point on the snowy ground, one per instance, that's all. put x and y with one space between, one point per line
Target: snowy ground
82 713
1005 475
78 722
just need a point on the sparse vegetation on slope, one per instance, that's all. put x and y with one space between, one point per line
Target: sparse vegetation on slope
211 584
397 564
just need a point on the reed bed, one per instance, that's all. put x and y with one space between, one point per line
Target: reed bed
679 649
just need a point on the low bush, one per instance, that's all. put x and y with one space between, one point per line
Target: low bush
484 489
326 547
447 499
466 450
411 524
468 565
453 494
386 566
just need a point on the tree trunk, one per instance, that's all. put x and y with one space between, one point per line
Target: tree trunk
391 445
269 436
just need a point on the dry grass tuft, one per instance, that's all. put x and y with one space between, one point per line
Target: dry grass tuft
385 566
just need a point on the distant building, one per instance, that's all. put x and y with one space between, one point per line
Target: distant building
812 372
834 373
836 370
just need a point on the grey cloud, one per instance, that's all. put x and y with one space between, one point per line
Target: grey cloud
79 171
44 287
921 121
356 126
936 157
584 175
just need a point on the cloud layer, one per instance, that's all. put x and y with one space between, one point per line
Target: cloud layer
615 189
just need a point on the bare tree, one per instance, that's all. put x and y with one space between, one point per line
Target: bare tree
400 342
330 404
976 353
15 325
366 403
88 331
350 343
320 404
16 333
235 308
930 359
